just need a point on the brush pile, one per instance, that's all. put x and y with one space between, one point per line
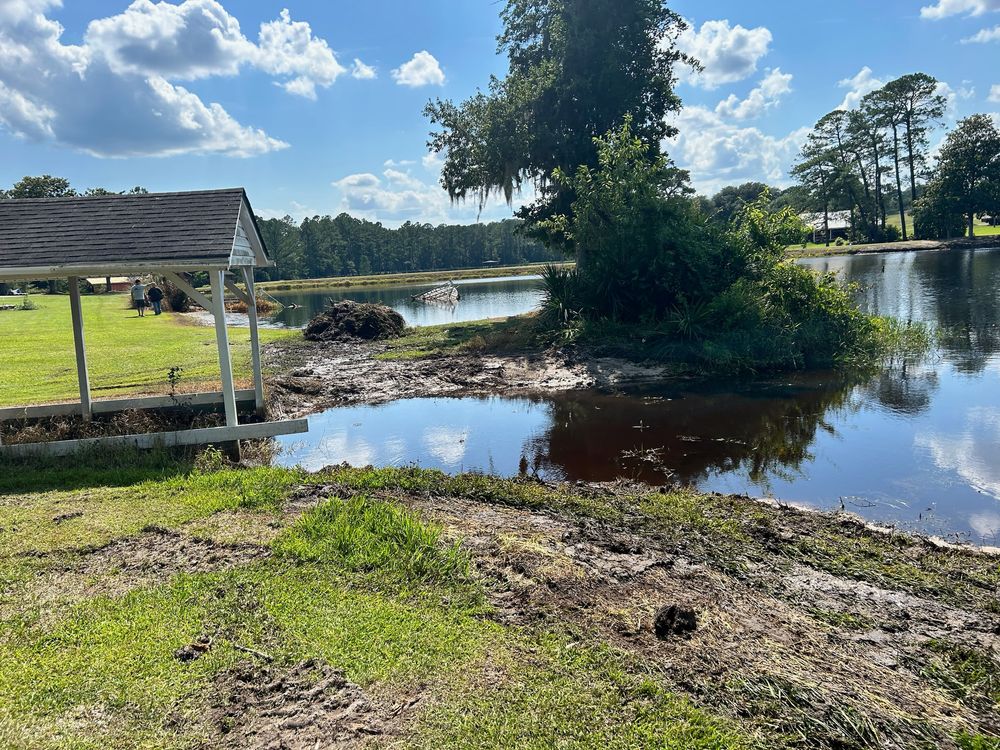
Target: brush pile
346 320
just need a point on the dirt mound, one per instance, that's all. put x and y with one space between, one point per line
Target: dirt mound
310 705
355 320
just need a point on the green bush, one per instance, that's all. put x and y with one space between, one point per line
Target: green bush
648 259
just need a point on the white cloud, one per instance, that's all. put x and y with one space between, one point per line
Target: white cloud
432 160
728 54
945 8
765 96
994 95
422 69
398 195
288 48
966 90
362 72
719 153
984 36
863 82
116 94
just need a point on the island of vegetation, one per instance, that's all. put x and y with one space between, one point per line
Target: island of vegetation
171 600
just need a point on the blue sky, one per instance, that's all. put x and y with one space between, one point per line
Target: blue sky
315 106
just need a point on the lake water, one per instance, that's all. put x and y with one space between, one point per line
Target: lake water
480 299
916 446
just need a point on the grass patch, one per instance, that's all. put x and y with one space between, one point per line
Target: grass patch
372 535
970 676
125 353
568 694
501 336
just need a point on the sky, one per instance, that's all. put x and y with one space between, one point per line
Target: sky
315 106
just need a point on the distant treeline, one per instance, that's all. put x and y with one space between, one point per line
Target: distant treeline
347 246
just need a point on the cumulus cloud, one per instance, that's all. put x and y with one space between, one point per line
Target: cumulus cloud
994 95
117 93
362 72
719 152
945 8
728 54
863 82
422 69
984 36
765 96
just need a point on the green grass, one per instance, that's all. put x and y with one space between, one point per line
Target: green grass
125 353
390 279
361 583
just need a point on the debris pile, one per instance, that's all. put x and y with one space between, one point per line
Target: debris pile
355 320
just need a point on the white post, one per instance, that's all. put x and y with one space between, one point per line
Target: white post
258 375
222 341
82 376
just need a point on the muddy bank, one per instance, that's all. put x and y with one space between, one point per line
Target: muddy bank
320 375
759 627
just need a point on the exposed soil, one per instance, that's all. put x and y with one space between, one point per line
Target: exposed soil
331 374
748 636
305 707
147 559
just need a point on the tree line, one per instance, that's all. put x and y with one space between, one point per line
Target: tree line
875 159
324 246
343 245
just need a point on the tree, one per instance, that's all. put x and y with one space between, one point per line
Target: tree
866 133
45 186
920 108
887 114
728 201
577 68
818 171
969 167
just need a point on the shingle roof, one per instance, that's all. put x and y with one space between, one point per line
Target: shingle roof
119 231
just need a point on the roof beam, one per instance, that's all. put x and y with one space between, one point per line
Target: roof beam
189 290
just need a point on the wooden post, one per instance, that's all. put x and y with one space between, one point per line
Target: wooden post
258 374
222 341
82 376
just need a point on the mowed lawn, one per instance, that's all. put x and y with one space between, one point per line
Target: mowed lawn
125 353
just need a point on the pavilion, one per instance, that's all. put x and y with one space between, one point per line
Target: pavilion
164 234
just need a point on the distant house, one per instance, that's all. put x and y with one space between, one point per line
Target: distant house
838 222
118 283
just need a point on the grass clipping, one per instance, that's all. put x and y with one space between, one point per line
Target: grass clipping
347 320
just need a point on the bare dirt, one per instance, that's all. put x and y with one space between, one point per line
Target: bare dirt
147 559
328 374
308 706
750 637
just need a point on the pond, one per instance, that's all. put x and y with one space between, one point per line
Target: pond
916 446
480 299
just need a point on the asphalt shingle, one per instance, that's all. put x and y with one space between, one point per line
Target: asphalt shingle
119 230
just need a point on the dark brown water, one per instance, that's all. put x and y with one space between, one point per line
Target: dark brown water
918 446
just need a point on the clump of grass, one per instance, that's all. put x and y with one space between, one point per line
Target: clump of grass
971 676
365 535
844 620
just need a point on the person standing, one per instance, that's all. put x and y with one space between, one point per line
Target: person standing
139 297
155 295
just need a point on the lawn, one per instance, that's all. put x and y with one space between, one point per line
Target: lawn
471 611
125 353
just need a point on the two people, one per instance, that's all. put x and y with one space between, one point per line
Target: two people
141 294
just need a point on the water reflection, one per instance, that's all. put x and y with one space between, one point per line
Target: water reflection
480 299
917 444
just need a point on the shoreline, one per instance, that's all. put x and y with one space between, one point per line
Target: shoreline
960 243
395 279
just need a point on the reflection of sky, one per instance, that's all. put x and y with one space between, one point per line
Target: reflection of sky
451 434
920 448
495 298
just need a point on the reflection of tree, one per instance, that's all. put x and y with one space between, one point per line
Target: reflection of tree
905 389
954 291
763 431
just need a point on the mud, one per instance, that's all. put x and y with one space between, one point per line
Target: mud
727 635
308 706
331 374
349 320
147 559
